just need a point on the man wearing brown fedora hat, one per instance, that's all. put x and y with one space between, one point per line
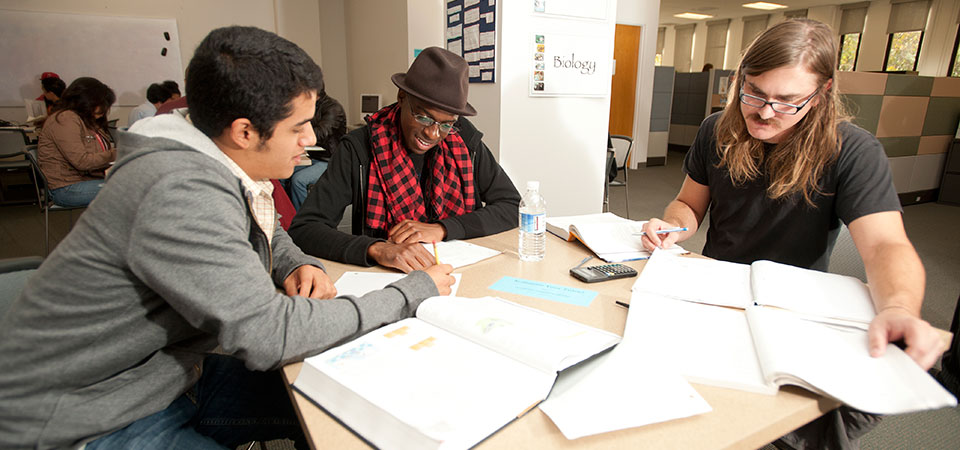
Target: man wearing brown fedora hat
417 172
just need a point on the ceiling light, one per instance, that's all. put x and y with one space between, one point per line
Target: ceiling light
764 5
693 16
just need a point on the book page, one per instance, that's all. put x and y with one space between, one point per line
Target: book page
359 284
624 388
560 226
540 339
461 253
442 385
706 344
696 280
836 361
811 292
610 237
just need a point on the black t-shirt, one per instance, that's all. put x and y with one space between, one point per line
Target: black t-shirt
746 225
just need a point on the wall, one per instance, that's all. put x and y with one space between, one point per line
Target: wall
376 31
195 19
335 47
645 15
551 139
425 19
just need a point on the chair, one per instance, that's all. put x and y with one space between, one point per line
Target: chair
13 143
622 158
46 200
14 273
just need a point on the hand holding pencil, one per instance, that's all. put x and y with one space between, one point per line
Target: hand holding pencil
659 234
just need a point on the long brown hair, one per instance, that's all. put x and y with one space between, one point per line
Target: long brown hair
796 164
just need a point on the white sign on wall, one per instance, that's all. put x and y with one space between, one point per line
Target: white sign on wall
569 65
593 9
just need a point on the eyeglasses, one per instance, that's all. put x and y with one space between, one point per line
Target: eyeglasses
780 107
445 127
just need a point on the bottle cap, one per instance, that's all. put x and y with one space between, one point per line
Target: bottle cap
533 185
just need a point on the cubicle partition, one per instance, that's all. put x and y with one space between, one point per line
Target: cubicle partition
915 119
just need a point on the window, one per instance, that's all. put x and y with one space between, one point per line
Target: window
716 42
902 51
752 27
955 59
661 37
683 52
851 30
849 49
908 18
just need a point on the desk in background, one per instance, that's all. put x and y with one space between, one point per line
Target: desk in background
738 420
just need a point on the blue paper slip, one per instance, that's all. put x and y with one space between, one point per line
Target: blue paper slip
546 291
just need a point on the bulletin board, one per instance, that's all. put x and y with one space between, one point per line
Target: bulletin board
125 53
471 33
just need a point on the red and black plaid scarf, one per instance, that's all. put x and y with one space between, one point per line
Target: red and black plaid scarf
393 190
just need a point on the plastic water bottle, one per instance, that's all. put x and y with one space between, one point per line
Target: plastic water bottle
533 224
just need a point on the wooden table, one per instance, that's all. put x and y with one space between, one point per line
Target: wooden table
738 420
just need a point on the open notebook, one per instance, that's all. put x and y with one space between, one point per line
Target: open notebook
458 372
611 237
758 348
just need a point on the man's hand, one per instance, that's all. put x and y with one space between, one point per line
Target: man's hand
651 240
413 231
406 257
894 323
441 277
309 281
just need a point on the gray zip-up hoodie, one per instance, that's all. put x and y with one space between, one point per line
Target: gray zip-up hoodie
166 264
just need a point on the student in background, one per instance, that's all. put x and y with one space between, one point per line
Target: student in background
75 147
329 124
778 170
173 88
156 96
157 322
418 172
53 88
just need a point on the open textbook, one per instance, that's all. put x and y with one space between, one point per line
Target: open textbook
818 295
611 237
759 348
458 372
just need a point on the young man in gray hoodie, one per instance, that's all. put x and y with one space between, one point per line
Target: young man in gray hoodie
112 342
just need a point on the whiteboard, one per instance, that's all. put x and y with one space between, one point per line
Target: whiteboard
125 53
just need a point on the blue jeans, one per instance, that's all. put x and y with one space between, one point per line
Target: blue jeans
76 194
229 406
301 180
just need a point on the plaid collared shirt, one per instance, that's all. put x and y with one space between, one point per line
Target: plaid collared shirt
260 197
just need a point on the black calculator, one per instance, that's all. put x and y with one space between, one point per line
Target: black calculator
605 272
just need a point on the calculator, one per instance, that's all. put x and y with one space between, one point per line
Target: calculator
604 272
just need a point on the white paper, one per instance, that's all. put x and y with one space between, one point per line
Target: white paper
618 390
717 282
486 75
453 10
794 288
461 253
454 32
486 64
455 46
488 17
471 15
453 18
488 38
472 56
485 54
362 283
474 71
469 3
471 37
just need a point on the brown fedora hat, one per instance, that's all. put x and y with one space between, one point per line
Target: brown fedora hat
440 78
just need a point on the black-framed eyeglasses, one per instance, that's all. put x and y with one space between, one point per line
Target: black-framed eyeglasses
780 107
445 127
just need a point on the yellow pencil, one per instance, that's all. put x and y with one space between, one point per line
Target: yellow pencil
435 254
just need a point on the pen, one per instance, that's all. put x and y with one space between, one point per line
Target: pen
588 258
435 254
625 305
664 231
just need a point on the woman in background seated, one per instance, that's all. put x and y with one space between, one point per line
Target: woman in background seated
75 147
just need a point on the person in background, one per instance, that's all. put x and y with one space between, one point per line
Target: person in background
157 95
707 67
163 318
778 169
417 172
53 88
173 88
329 124
75 147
